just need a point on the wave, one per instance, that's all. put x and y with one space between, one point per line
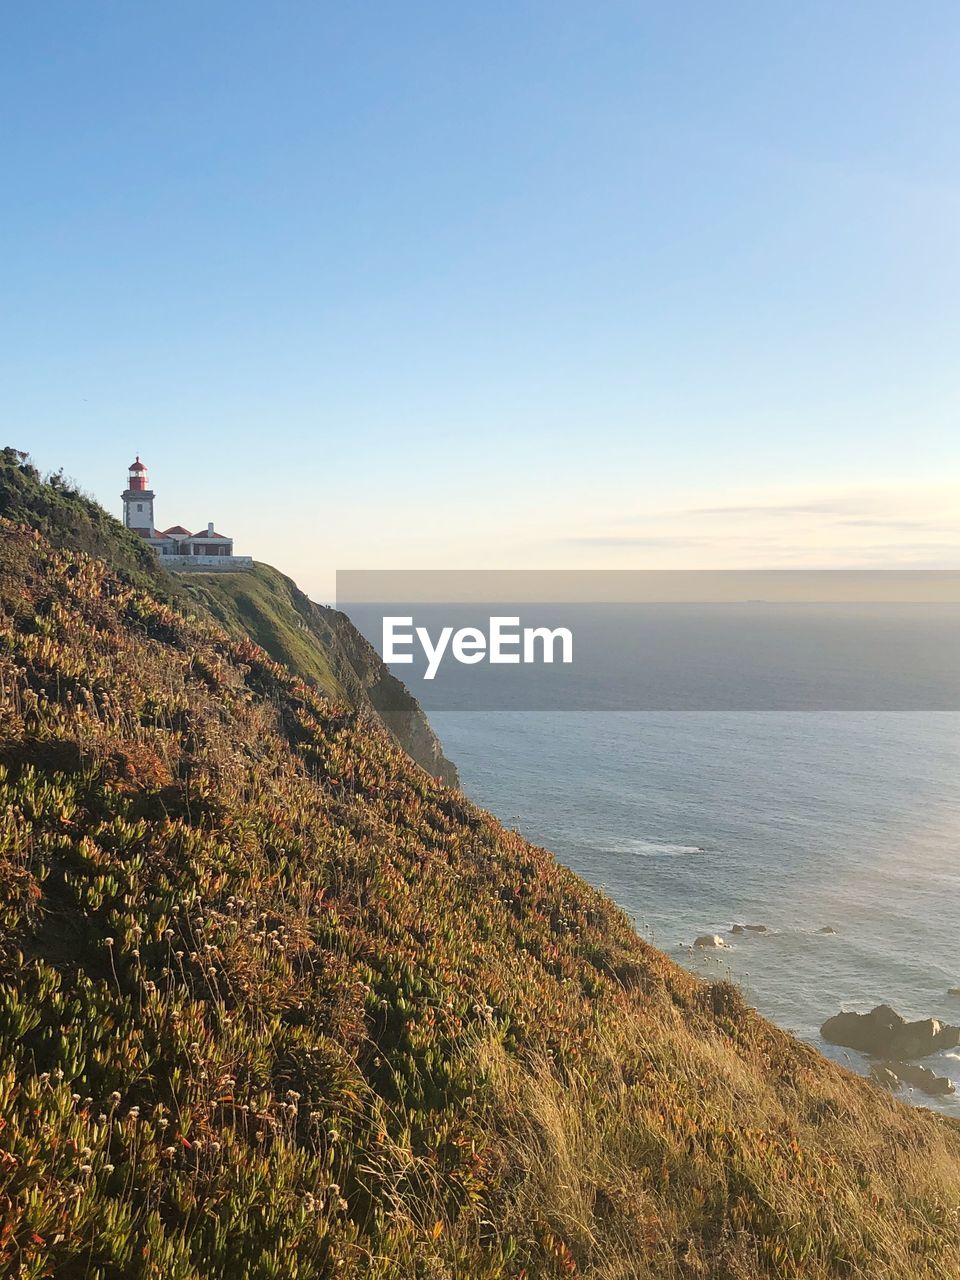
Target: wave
641 848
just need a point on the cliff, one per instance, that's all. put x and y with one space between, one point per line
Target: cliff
276 1003
322 646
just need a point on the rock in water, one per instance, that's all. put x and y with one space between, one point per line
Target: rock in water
883 1033
827 928
917 1039
885 1076
894 1075
925 1080
709 940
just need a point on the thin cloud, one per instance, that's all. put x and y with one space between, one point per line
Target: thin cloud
907 547
635 540
832 506
891 523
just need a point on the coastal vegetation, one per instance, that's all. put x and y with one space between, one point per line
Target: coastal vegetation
277 1003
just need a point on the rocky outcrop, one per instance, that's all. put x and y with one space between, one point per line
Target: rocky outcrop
884 1033
894 1076
709 940
749 928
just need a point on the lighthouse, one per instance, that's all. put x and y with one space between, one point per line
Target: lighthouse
182 551
138 501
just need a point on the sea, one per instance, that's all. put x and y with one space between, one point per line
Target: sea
800 820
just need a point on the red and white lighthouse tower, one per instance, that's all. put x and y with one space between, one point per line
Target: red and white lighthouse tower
138 501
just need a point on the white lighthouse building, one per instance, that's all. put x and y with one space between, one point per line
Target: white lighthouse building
180 549
138 501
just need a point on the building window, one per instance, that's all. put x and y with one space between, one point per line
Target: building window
139 506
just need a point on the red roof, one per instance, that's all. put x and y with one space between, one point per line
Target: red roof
205 534
137 466
178 528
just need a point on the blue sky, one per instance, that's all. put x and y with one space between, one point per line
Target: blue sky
537 284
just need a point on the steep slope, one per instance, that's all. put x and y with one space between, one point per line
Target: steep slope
276 1003
321 646
56 508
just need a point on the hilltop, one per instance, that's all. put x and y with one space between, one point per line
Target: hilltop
319 644
275 1002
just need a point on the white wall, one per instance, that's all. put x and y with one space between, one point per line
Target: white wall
222 564
142 519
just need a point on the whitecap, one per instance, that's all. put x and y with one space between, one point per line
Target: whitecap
642 848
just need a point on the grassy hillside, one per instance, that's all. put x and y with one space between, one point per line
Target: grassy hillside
275 1003
322 647
266 606
56 508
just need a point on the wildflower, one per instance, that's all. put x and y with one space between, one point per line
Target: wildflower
108 942
108 1168
115 1097
86 1168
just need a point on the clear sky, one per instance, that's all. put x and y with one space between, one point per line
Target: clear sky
553 284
